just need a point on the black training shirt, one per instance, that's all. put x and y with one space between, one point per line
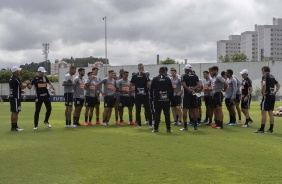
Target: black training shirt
161 89
190 80
246 84
40 84
140 81
15 90
270 83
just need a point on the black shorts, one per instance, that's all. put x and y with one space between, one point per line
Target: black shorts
200 101
238 98
125 101
109 101
217 99
78 102
246 104
90 101
132 98
176 101
98 99
15 104
228 102
207 100
68 99
190 101
267 103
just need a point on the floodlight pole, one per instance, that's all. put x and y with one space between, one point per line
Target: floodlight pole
106 57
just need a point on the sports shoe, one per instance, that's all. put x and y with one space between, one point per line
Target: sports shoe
121 123
190 124
67 126
98 123
155 131
17 129
139 127
175 123
239 122
214 125
35 128
205 121
245 125
231 124
86 123
259 131
184 129
269 131
195 128
78 124
199 124
153 122
105 124
47 124
168 131
132 123
73 126
209 124
179 123
151 127
250 122
146 123
117 123
90 123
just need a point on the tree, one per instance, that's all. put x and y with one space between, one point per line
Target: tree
239 57
53 78
24 75
168 61
224 59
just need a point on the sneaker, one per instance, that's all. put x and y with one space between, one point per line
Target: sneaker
269 131
73 126
168 130
239 122
231 124
98 123
117 123
245 125
90 123
146 123
67 126
47 124
190 124
139 127
86 123
17 129
184 129
78 124
35 128
179 123
205 121
153 122
219 127
155 131
121 123
250 122
195 128
259 131
199 124
151 127
105 124
175 123
209 124
132 123
214 125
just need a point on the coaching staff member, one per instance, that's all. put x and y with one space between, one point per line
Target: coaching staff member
42 96
161 93
142 84
16 87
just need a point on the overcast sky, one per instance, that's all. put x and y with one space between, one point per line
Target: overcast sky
138 30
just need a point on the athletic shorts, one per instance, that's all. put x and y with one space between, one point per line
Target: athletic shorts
15 104
238 98
90 101
98 99
132 98
267 103
200 101
217 99
78 102
176 101
207 100
190 101
246 104
228 102
68 99
125 101
109 101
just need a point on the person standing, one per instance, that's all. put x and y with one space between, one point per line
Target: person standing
237 100
79 96
176 100
207 97
247 90
161 92
68 94
269 88
230 96
97 104
190 83
109 96
16 87
218 84
90 98
142 84
42 96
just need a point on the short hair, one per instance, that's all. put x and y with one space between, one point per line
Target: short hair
140 65
72 68
89 73
80 69
223 73
166 69
265 69
214 68
162 70
207 72
95 68
173 69
230 71
121 70
110 71
126 72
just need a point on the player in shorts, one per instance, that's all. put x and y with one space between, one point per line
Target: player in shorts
78 96
237 100
207 97
97 104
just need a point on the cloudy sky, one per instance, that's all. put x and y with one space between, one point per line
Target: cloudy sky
138 30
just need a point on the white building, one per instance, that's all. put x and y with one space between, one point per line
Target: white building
229 47
249 45
58 64
270 41
97 64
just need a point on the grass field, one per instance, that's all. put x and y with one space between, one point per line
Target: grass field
130 155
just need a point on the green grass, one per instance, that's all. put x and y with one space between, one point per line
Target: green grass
128 155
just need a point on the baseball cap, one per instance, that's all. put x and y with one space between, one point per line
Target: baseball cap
41 69
15 68
188 66
244 71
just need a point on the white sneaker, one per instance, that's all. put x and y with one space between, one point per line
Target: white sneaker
47 124
73 126
35 128
146 123
67 126
17 129
139 127
245 126
151 127
105 124
179 123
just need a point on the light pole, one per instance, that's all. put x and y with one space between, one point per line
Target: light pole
45 53
106 57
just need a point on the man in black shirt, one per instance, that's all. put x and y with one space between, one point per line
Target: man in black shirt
142 84
16 87
269 89
161 92
247 90
190 83
42 96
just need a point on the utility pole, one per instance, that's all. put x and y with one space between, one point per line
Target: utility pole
106 57
45 53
